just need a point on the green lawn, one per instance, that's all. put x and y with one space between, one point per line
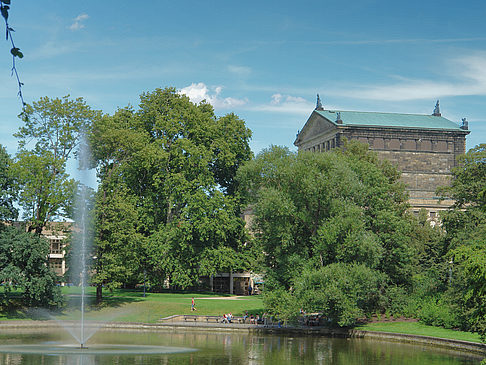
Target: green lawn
415 328
131 306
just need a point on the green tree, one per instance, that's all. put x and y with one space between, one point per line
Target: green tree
316 210
323 208
471 256
24 265
468 187
170 167
47 140
119 255
465 226
7 188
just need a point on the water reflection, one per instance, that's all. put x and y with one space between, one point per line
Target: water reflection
232 348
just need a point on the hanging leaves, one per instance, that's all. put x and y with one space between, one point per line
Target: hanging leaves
16 52
4 10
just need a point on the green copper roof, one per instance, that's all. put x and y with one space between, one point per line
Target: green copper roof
421 121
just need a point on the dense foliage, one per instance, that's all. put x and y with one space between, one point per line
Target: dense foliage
465 238
334 231
8 212
337 239
47 140
24 267
166 205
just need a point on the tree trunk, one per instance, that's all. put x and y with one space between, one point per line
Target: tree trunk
99 293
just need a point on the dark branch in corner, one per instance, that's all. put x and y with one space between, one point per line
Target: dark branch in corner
4 8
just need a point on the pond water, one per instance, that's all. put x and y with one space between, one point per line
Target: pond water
213 347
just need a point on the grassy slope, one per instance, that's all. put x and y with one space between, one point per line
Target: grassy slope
131 306
415 328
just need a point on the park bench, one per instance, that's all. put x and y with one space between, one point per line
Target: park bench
213 318
190 317
312 319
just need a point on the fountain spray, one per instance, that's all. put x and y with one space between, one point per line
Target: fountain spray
84 231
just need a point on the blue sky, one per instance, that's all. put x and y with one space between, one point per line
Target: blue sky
263 60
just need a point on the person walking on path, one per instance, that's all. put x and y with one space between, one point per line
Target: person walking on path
193 305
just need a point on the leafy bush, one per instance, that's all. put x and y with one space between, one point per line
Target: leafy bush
437 312
281 304
343 292
24 265
398 301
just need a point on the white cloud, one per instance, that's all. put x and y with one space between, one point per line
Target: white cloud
199 92
276 99
78 22
286 104
279 103
463 76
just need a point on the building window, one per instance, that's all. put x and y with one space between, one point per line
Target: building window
363 140
56 265
394 144
410 144
426 145
442 146
379 143
56 246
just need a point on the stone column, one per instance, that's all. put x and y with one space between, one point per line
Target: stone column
231 282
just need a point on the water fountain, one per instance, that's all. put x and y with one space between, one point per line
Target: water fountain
82 246
79 330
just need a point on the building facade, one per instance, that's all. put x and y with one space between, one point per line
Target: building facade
57 233
424 147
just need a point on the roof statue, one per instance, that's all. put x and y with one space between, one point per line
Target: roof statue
338 118
437 110
465 124
319 104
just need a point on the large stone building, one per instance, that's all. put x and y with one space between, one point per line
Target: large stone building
56 233
423 147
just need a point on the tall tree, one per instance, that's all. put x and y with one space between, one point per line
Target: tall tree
465 227
339 208
170 166
7 188
47 140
